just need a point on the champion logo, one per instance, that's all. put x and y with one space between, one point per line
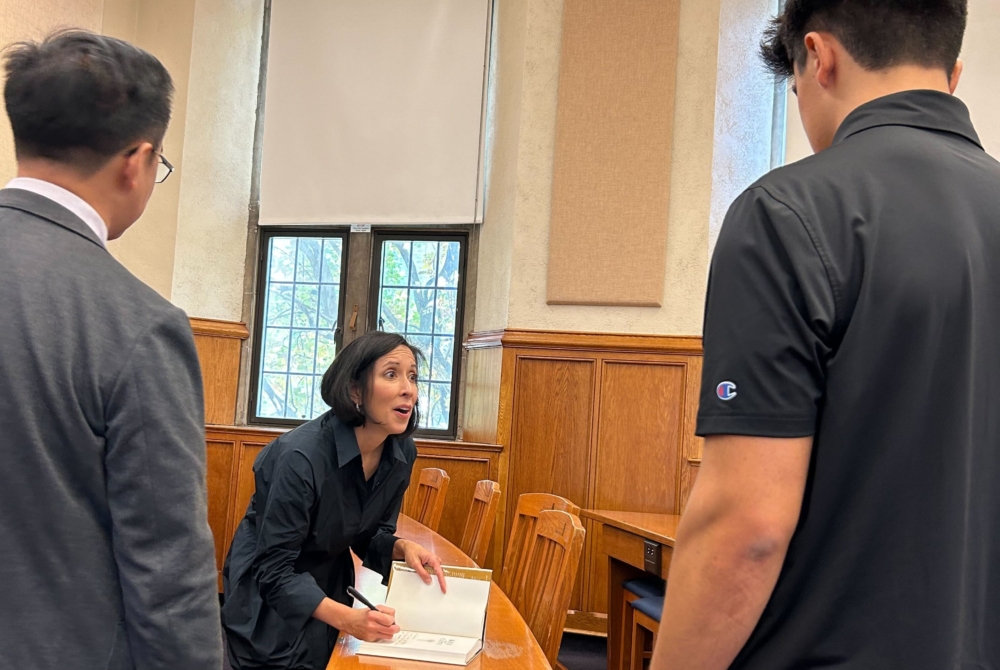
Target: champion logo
726 391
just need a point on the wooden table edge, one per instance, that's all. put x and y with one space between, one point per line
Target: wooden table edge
608 517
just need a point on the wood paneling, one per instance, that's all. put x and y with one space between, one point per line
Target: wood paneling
611 163
606 420
466 463
482 393
219 344
231 451
220 457
551 426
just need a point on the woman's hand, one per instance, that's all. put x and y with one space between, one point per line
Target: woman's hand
420 559
368 625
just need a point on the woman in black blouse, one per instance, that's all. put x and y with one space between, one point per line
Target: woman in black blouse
331 485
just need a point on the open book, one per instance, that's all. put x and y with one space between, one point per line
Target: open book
434 626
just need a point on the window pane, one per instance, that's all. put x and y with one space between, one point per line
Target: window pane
424 344
392 314
279 305
419 298
299 397
440 406
300 312
282 259
444 355
276 350
329 305
448 259
272 395
303 355
396 264
332 251
446 308
306 306
420 317
307 267
423 265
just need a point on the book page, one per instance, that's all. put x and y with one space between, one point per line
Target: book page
422 608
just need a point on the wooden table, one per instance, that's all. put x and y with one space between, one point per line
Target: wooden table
624 537
509 643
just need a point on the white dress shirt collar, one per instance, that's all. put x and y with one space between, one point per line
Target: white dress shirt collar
70 201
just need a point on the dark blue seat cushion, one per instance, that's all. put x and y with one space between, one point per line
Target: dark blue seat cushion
651 607
645 587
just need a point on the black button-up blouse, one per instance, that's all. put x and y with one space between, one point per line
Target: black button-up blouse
310 507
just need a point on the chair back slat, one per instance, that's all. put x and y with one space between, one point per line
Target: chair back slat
428 503
522 530
481 520
543 591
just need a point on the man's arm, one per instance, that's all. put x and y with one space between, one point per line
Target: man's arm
731 545
155 465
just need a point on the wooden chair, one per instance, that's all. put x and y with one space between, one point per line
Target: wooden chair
481 520
543 592
428 503
529 506
646 614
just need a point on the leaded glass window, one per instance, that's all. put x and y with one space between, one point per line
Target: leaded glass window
301 315
418 296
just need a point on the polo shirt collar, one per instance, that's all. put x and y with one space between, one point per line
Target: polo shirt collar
347 442
930 110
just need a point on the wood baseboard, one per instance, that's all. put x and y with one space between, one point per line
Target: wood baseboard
586 623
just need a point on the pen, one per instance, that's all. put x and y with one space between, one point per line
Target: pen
354 593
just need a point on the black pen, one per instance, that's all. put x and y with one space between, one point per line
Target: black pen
354 593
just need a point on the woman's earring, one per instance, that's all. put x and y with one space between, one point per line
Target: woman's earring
357 406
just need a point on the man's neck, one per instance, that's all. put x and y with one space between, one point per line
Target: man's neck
66 178
868 86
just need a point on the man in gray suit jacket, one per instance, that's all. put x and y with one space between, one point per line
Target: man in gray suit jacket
106 557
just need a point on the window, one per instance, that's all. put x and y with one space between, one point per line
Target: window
300 308
416 289
419 280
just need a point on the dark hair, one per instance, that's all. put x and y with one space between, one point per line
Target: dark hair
80 98
353 368
878 34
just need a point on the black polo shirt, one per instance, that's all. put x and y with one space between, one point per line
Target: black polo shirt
855 296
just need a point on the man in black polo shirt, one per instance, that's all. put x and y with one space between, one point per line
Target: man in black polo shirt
847 512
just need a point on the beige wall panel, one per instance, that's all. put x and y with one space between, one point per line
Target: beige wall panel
525 306
147 248
213 210
611 181
32 20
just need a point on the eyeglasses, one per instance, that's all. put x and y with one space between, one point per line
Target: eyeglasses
163 170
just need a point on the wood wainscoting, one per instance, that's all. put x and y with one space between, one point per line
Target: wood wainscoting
231 452
219 344
606 421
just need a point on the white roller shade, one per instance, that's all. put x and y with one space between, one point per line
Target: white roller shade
373 111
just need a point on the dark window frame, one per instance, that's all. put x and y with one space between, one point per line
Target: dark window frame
379 237
266 234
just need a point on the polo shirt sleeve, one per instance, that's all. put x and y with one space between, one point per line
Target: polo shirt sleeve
768 322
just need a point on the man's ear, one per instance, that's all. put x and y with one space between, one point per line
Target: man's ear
821 57
135 162
956 76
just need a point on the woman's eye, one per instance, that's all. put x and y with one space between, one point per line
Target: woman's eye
390 374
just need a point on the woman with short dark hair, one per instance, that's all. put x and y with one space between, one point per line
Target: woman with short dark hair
333 484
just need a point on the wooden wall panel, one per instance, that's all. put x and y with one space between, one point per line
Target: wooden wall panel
220 458
606 420
219 344
466 463
482 394
551 423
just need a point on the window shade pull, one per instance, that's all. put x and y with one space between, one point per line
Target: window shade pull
353 325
